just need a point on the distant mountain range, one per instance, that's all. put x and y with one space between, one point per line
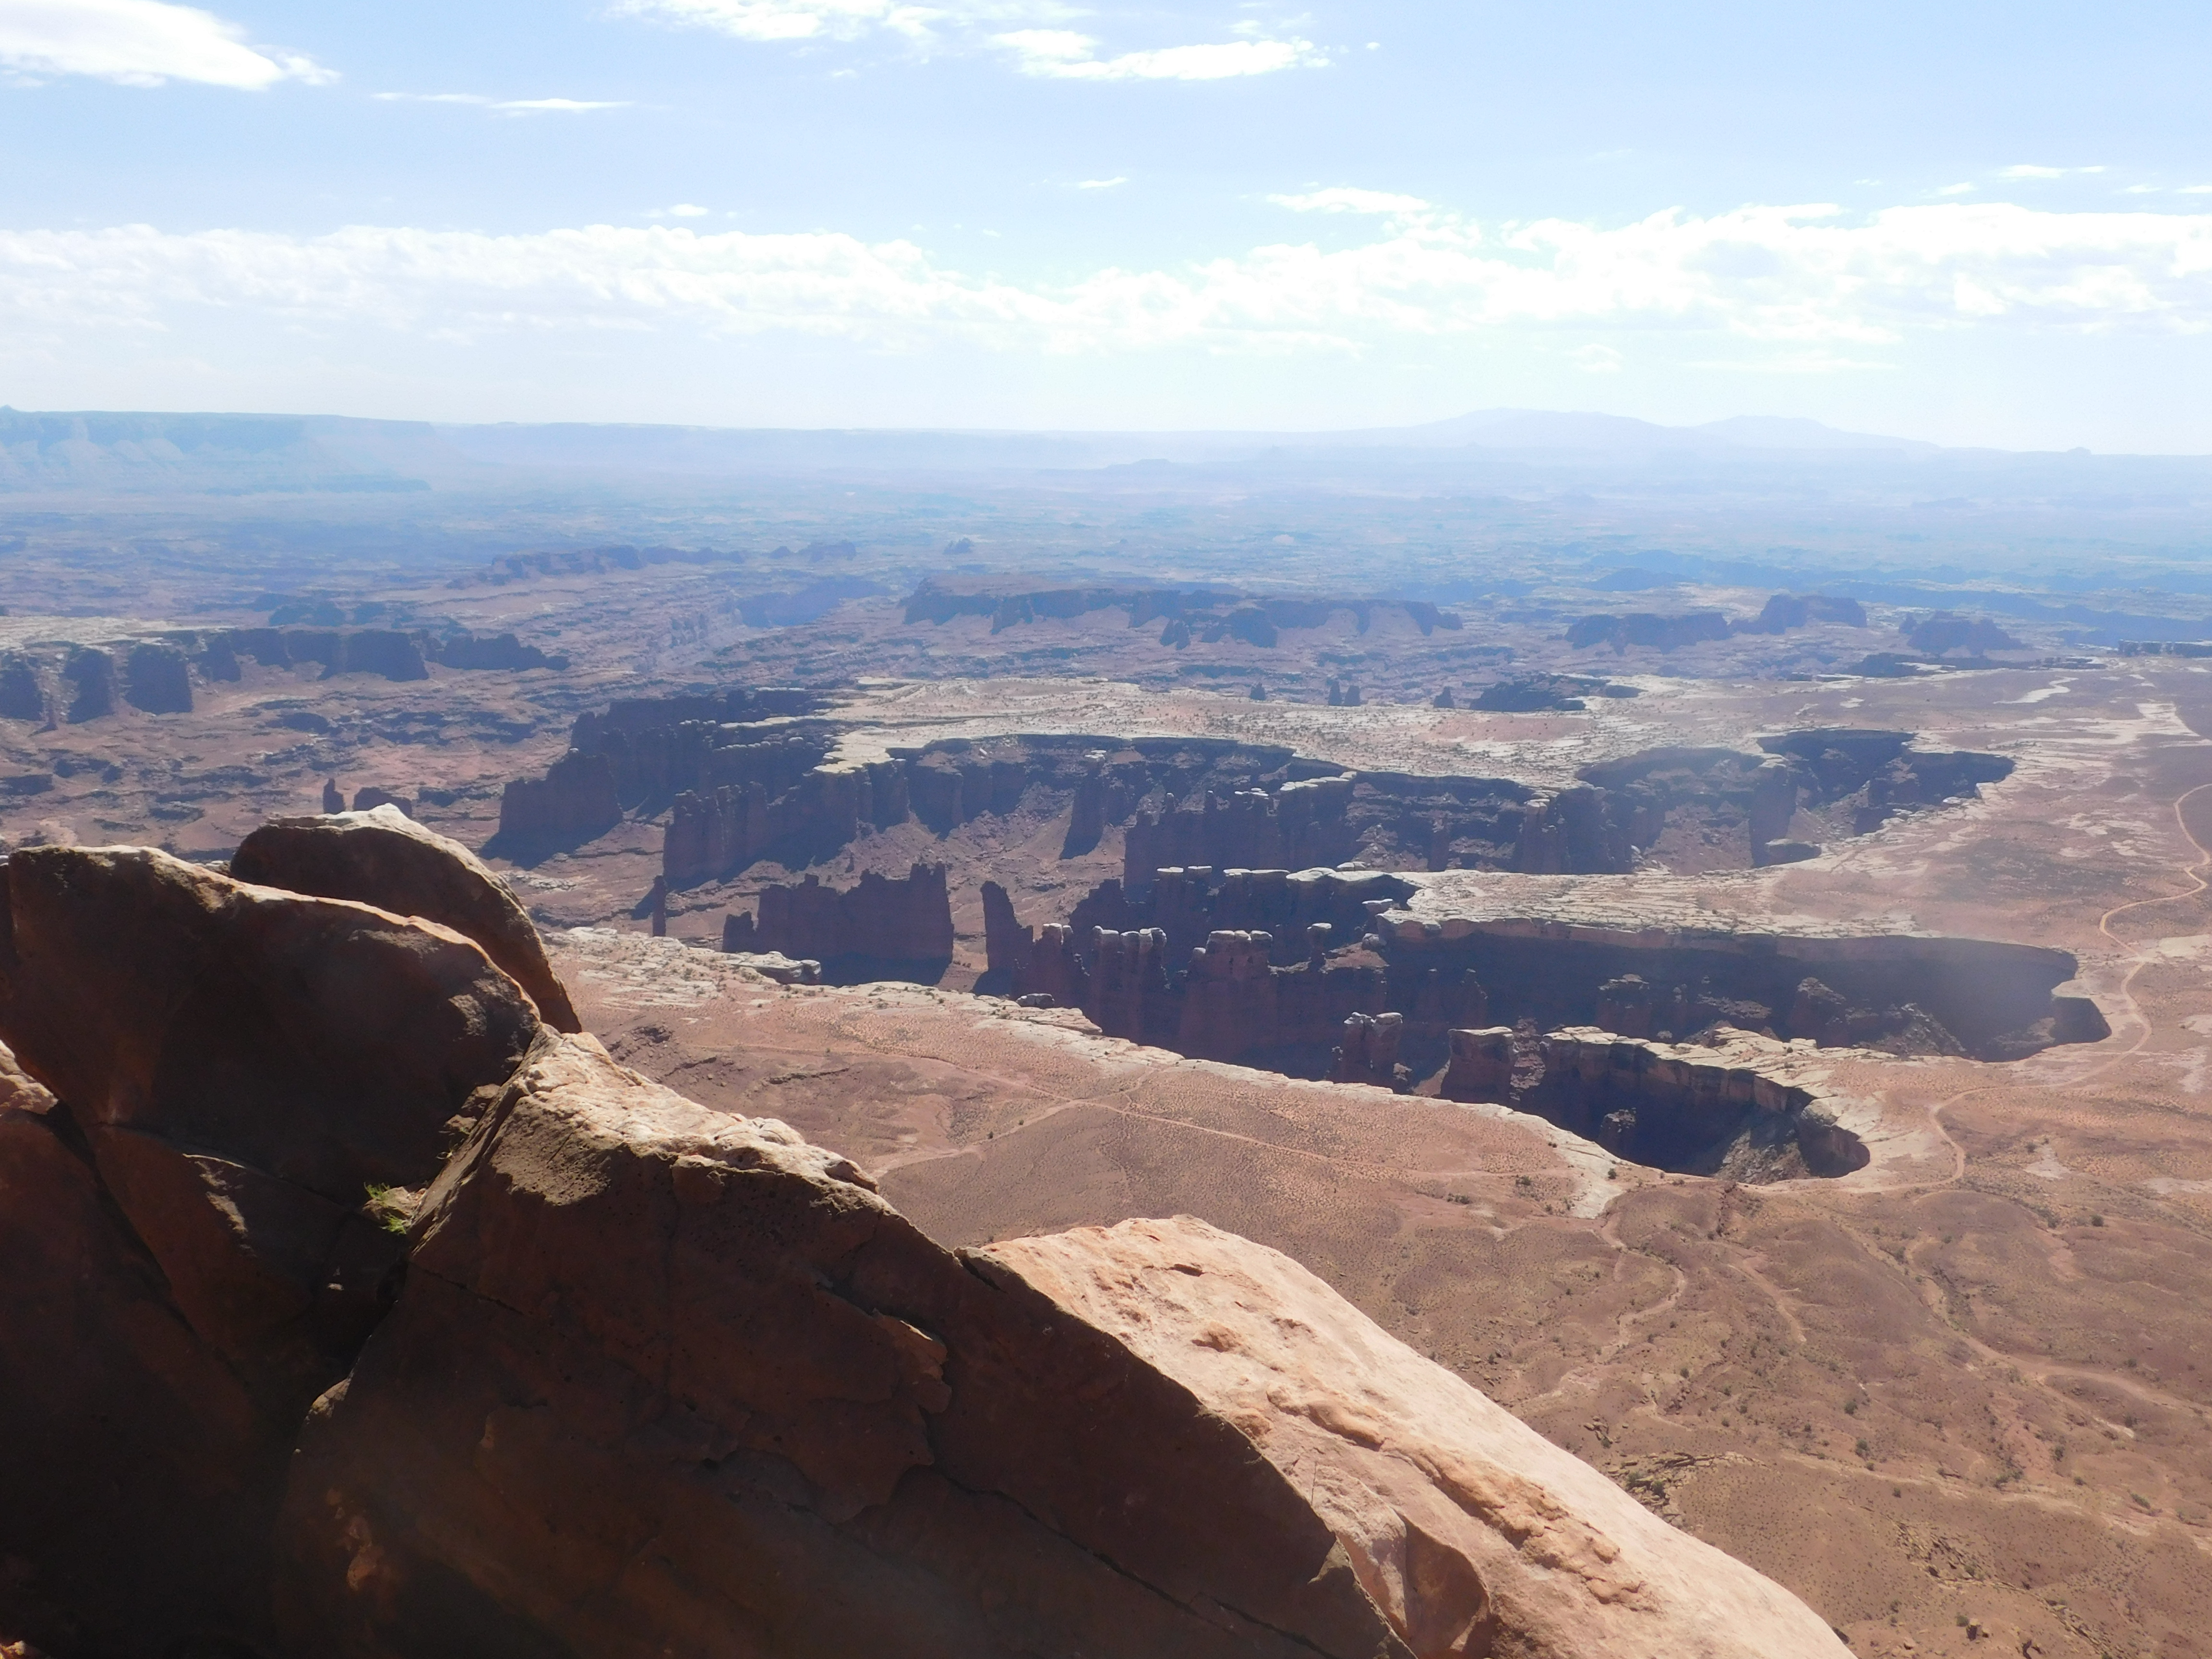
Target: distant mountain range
227 454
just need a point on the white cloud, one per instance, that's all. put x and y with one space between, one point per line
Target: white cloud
1809 281
556 105
1596 359
2024 170
1954 190
1064 55
142 43
1115 183
1042 45
1344 199
847 20
504 106
2195 189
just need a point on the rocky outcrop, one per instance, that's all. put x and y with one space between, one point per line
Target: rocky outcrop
90 675
1574 832
1008 947
158 678
1226 998
1369 1052
1472 1534
660 747
883 926
1264 967
1300 825
573 803
634 1376
1190 903
198 1243
385 652
800 810
23 694
1481 1065
381 857
628 1319
492 651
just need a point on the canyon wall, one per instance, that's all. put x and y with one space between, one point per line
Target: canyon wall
749 774
882 927
1267 967
156 674
1733 1111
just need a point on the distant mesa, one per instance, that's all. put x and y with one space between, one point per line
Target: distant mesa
157 675
1208 616
1531 694
1648 630
752 773
1781 613
1785 611
496 650
1943 633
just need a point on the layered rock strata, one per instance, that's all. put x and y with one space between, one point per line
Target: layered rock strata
882 927
753 773
1157 968
1747 1109
573 803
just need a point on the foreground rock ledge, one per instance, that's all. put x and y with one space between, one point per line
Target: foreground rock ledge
666 1380
645 1380
1473 1533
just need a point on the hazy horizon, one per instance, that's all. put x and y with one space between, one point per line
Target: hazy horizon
1970 229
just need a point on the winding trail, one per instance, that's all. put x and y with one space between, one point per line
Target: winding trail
2194 872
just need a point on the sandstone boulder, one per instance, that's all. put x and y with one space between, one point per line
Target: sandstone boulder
665 1380
220 1088
384 858
140 1482
1473 1533
247 1069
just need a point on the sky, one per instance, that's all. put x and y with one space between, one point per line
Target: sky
1976 223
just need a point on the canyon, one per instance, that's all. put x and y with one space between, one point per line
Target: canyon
1759 1060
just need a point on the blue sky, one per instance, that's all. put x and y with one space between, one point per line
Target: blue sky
1975 224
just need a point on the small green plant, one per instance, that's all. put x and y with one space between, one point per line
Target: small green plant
1863 1448
388 1207
1851 1408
